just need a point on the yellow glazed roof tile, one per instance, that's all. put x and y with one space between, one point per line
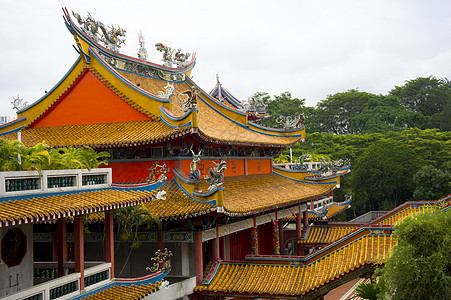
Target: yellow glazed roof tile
100 135
53 207
218 128
125 292
177 204
284 280
252 193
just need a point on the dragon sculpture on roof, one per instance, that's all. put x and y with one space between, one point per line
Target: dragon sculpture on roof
112 38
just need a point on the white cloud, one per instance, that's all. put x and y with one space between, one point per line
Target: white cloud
311 48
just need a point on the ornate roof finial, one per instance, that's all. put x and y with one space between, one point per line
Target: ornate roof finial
112 37
142 52
217 79
18 104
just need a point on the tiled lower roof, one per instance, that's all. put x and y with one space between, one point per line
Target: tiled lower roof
101 135
53 207
177 204
396 218
216 128
325 235
249 279
248 194
133 292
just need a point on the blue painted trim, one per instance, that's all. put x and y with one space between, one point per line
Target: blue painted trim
208 193
309 182
176 118
150 187
325 178
13 122
179 176
290 170
174 126
156 78
276 129
215 270
12 131
53 88
114 72
212 202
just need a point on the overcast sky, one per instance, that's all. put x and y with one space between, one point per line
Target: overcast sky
310 48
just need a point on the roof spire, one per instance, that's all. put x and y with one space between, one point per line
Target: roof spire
142 52
217 79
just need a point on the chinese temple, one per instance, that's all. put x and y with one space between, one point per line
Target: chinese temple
231 222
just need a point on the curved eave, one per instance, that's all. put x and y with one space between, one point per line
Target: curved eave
173 121
75 30
285 132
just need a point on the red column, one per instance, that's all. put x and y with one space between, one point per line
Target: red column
160 244
216 254
281 238
275 238
305 218
298 231
198 259
62 246
254 240
108 246
79 250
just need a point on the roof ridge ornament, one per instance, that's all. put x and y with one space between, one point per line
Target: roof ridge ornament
110 38
169 91
142 52
190 102
18 104
289 122
173 56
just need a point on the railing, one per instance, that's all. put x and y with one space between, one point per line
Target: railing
67 286
310 166
19 183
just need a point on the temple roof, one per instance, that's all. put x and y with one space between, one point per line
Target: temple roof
101 135
106 91
270 190
249 279
47 208
177 204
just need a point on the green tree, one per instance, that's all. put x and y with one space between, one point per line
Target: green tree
427 95
382 177
420 264
129 220
281 106
431 183
367 291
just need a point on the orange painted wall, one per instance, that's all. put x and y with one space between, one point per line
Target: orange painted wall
135 171
88 102
235 167
258 166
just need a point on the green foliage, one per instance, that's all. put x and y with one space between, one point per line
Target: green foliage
382 177
14 156
431 183
420 264
280 106
427 95
367 291
129 220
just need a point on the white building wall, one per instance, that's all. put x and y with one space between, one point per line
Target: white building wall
17 278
